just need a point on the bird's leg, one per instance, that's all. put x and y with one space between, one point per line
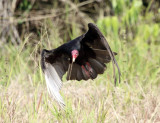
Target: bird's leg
86 72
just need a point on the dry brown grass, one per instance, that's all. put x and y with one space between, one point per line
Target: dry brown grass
85 102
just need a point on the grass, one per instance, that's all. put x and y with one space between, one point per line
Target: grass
135 99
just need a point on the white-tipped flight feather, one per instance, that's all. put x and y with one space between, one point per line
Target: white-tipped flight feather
54 83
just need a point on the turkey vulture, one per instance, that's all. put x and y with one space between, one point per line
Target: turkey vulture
84 58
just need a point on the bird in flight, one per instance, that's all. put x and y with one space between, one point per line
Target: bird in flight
82 58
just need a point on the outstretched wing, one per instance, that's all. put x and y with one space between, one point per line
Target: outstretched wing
95 40
95 52
54 65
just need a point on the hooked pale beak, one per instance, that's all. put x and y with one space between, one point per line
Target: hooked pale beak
74 55
73 59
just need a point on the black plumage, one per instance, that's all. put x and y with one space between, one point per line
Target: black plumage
88 53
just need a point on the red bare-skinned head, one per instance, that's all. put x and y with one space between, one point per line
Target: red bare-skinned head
75 54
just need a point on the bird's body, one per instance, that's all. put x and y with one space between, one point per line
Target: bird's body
88 53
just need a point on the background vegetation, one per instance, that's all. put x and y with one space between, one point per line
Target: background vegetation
132 28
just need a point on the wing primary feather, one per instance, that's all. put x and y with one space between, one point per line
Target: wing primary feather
119 72
54 83
113 62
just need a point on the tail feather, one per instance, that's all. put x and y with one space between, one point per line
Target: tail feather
97 66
